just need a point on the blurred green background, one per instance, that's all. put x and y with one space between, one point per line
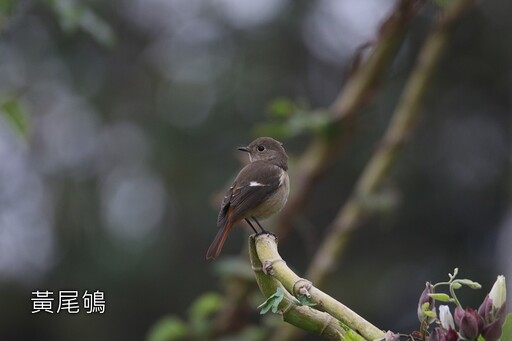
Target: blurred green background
119 125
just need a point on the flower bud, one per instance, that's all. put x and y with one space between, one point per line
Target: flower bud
469 322
390 336
438 334
441 334
492 332
426 303
493 308
446 317
498 293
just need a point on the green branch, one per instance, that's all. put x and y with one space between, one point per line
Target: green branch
399 129
272 272
358 91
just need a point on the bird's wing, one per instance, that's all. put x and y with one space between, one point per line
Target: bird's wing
253 185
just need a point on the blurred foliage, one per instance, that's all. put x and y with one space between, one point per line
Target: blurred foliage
199 324
168 328
15 115
233 268
507 328
73 15
291 119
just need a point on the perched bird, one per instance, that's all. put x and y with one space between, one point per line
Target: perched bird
259 190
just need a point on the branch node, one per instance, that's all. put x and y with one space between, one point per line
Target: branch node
268 265
257 268
327 321
301 287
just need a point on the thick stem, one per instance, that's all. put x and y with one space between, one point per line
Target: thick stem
273 269
352 213
304 317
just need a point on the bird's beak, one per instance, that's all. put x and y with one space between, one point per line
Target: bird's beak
244 149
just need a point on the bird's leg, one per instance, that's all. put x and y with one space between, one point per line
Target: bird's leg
261 227
257 222
250 224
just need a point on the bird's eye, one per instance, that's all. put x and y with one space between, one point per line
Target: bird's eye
261 148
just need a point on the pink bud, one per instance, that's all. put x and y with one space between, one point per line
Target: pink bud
470 324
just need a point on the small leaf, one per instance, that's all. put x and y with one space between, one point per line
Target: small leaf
304 300
14 114
272 302
430 313
456 285
440 297
507 328
425 306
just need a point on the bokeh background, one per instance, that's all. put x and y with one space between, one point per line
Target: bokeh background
119 125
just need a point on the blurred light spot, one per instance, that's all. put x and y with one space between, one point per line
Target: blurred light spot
133 203
158 15
13 71
335 28
26 237
185 104
68 134
199 51
474 151
123 143
246 14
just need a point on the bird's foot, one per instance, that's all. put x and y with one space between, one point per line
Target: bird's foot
268 233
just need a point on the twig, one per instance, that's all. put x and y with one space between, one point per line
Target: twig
273 269
352 213
311 320
356 93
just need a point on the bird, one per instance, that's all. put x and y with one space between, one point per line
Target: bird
259 191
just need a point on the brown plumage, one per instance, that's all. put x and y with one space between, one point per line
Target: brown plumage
259 190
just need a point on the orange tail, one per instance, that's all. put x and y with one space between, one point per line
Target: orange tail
218 242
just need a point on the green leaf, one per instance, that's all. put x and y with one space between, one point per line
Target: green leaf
7 6
272 303
430 313
168 328
456 285
507 328
205 305
73 15
281 108
440 297
304 300
425 307
14 114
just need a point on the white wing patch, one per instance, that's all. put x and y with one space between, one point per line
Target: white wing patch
255 184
